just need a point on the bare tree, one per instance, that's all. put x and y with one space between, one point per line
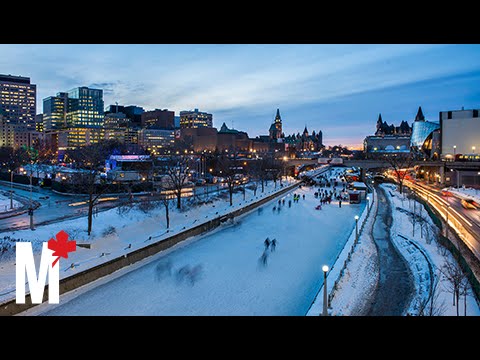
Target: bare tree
465 290
90 160
227 163
275 171
176 170
400 163
165 199
455 278
432 306
262 171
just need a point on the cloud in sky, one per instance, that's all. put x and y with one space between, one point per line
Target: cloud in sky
339 89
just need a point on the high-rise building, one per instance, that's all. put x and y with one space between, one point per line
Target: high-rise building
80 111
39 123
159 119
85 108
18 100
195 119
55 111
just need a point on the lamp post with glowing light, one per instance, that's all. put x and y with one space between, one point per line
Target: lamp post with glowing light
325 296
356 229
454 151
368 205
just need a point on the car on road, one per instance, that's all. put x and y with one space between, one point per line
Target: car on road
469 204
446 192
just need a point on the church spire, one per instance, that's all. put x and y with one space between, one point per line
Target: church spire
419 116
277 117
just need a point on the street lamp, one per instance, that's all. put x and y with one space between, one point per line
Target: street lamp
325 297
368 204
11 188
454 151
356 229
30 210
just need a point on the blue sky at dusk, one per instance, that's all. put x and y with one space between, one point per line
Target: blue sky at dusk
339 89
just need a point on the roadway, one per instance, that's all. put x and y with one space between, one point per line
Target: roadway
56 207
53 207
465 221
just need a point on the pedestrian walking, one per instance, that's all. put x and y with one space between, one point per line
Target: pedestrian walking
303 196
267 243
289 203
263 258
340 203
274 244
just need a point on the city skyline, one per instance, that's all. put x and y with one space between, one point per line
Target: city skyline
338 89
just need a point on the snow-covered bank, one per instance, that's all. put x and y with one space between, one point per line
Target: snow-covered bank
121 230
416 241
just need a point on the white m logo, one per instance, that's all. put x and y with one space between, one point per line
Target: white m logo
25 263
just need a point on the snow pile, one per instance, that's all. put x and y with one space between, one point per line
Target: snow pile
423 254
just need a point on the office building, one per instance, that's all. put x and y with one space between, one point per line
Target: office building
85 108
55 111
17 135
195 119
18 100
460 134
158 119
80 111
156 141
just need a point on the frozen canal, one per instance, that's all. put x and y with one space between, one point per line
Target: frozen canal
230 278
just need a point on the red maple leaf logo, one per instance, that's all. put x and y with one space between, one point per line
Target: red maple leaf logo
62 246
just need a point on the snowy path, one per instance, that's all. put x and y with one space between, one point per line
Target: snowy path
395 286
231 279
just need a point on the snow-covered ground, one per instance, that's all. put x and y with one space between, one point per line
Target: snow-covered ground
5 204
419 248
424 256
115 233
230 277
355 271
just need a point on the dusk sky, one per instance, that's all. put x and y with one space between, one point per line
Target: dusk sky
339 89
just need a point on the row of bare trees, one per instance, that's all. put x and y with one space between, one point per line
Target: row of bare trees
173 174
